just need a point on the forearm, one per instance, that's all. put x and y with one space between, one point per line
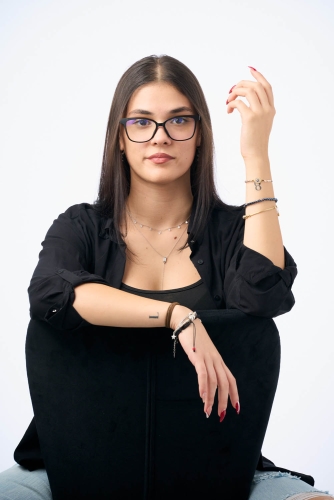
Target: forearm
262 231
106 306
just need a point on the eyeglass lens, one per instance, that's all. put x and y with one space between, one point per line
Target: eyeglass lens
179 128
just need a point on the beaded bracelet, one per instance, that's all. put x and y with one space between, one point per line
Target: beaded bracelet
188 320
259 201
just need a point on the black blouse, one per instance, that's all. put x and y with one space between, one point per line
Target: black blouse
81 247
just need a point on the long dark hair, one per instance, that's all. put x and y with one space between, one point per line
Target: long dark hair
115 175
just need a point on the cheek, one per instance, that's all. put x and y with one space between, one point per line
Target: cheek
134 153
191 154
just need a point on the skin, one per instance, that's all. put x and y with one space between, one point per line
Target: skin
159 99
262 232
320 498
171 181
160 197
160 194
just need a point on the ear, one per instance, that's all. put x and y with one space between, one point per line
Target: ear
121 142
199 139
198 135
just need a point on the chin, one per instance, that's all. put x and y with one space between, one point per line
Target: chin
160 176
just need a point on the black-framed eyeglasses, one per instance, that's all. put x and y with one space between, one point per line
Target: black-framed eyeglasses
178 128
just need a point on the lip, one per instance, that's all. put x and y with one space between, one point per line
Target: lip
160 158
160 155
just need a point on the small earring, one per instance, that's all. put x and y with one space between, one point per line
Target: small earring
122 156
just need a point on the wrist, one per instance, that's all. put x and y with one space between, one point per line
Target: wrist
178 314
257 166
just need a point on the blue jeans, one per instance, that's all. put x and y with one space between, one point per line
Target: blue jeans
18 483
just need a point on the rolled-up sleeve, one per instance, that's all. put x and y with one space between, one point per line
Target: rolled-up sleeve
256 286
64 263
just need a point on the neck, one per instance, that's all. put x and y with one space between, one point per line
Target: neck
160 206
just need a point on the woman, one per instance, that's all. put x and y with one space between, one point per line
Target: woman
159 243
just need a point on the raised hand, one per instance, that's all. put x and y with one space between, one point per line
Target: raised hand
257 118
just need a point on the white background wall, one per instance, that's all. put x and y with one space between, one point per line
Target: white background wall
60 62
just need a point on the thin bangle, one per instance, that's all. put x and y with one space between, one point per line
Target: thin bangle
187 321
169 313
256 213
257 182
259 201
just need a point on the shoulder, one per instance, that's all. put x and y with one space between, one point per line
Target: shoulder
86 212
82 210
224 225
83 218
223 215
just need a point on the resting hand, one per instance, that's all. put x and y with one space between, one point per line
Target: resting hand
257 118
209 365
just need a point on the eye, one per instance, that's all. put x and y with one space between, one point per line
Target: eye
140 122
179 120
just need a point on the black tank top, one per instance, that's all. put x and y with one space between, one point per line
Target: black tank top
195 296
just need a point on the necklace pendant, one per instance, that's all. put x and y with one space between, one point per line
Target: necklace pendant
164 260
178 227
160 232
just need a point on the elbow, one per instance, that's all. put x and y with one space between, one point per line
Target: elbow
51 301
45 302
259 300
37 299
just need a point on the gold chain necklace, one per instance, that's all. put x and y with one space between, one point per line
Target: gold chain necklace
160 231
164 257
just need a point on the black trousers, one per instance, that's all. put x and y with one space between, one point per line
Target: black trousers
117 417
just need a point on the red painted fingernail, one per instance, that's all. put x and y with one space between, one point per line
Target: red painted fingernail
237 407
222 416
227 101
231 89
251 67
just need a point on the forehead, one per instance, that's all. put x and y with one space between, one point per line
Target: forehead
158 97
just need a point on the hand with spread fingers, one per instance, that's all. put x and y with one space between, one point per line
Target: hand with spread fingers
212 372
257 117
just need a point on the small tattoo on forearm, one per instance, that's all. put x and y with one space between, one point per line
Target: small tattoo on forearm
154 317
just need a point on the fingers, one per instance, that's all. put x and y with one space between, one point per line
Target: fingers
255 95
223 392
202 379
207 383
213 374
211 386
266 85
227 385
233 389
241 106
259 92
211 371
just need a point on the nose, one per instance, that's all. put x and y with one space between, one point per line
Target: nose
161 137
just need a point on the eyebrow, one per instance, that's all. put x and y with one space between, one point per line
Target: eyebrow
145 112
